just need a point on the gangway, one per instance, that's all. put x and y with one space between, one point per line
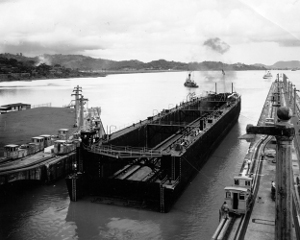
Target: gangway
123 152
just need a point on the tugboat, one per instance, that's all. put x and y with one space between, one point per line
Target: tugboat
190 83
268 75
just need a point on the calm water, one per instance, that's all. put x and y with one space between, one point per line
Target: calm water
45 212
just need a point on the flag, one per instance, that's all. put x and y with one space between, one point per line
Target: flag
223 72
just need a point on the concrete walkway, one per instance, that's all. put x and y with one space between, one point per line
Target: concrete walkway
262 221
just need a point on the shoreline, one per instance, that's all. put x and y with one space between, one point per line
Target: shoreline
12 78
100 74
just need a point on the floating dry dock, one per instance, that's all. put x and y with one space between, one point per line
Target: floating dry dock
148 164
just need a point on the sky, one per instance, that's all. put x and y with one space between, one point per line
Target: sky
230 31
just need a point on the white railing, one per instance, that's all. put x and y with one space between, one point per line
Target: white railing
41 105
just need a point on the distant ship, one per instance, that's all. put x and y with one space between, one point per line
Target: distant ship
268 75
190 83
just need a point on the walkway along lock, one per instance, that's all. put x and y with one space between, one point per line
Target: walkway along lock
284 133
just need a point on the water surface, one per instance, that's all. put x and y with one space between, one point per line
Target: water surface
45 212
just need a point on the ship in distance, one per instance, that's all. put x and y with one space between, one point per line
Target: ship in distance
149 164
268 75
190 83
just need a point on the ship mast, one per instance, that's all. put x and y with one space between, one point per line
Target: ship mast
77 96
82 101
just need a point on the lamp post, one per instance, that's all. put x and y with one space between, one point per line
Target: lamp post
284 133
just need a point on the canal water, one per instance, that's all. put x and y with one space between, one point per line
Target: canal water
45 211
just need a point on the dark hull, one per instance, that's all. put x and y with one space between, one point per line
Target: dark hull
191 85
156 182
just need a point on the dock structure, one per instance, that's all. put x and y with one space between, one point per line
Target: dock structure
49 157
278 219
273 158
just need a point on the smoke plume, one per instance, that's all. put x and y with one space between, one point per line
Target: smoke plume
217 45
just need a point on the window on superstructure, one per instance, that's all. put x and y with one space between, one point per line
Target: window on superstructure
236 182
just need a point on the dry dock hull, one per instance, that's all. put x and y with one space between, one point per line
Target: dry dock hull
155 182
191 162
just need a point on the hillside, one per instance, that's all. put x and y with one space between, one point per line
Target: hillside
19 67
286 65
281 65
59 65
88 63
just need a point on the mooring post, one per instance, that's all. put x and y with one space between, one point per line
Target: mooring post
284 133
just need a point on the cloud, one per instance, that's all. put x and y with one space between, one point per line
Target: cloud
217 45
144 30
36 47
290 43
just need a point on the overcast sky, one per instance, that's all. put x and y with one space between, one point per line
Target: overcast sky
248 31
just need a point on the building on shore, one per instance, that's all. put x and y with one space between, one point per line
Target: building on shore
14 107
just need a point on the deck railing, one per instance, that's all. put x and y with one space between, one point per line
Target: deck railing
124 151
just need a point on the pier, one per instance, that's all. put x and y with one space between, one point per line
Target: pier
272 162
45 157
39 167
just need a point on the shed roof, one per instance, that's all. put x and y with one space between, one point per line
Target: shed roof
15 104
236 188
11 145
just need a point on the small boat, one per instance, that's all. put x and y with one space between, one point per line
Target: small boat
190 83
268 75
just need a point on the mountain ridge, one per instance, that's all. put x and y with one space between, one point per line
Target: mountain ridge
292 64
86 63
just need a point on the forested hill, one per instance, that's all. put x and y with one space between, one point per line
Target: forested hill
83 63
88 63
